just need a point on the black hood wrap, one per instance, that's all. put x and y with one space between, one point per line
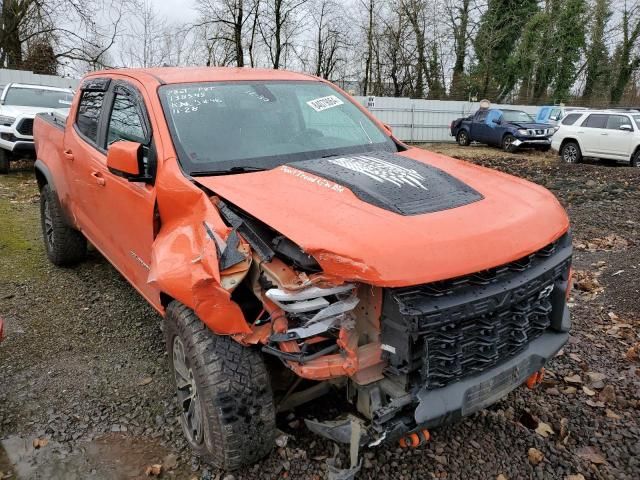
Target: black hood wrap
393 182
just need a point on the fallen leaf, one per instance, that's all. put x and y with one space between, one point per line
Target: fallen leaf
544 429
611 414
153 470
588 391
573 379
535 456
595 376
577 476
502 477
592 454
569 390
608 394
633 354
40 442
613 316
145 381
575 357
281 440
591 403
564 430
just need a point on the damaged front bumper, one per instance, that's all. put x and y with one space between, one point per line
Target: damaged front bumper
429 408
525 142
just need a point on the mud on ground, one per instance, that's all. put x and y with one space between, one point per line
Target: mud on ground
85 391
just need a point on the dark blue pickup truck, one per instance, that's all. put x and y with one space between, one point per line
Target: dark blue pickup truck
509 129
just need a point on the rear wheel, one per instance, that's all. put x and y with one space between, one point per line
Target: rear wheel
223 389
64 245
463 138
570 152
4 162
507 143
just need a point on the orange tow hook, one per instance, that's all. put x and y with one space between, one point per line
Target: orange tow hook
415 439
535 379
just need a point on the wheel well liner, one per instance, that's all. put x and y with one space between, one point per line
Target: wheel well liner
43 175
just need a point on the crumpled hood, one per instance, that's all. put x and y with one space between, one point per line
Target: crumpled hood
356 232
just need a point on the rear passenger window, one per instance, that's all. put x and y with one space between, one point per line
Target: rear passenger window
596 120
89 114
616 121
571 118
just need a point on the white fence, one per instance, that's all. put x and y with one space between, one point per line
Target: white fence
23 76
424 120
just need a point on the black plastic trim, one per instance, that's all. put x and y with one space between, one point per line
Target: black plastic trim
450 403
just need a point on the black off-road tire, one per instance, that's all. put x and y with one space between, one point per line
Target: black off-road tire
570 152
463 138
507 143
4 162
234 395
64 245
635 159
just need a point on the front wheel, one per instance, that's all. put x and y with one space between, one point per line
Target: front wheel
570 152
507 143
463 138
635 159
4 162
224 394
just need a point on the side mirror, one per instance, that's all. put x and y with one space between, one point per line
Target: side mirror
124 159
555 118
496 120
626 128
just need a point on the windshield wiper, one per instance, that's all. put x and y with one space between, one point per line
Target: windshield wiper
228 171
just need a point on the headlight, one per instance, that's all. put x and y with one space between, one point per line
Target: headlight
6 120
523 131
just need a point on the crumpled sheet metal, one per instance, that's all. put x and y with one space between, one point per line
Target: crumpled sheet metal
184 261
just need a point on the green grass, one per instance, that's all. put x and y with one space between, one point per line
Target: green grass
21 247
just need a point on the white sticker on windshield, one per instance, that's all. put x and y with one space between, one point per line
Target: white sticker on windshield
323 103
64 102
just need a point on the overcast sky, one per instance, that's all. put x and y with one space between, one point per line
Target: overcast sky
175 10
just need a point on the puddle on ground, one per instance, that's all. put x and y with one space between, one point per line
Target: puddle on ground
110 457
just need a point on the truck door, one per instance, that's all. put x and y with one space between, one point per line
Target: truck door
119 213
495 129
84 157
479 127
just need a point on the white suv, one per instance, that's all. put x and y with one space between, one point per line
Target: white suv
610 134
19 103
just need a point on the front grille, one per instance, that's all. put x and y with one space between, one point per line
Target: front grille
25 127
441 332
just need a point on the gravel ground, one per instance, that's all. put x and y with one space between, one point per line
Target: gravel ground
85 392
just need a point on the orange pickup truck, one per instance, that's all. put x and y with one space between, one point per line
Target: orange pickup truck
296 249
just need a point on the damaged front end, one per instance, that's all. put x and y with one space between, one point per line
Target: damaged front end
405 358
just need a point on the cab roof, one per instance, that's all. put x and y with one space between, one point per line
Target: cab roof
172 75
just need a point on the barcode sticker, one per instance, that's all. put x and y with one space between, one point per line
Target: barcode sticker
323 103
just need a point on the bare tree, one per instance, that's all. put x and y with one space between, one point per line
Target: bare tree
144 44
330 37
228 17
278 24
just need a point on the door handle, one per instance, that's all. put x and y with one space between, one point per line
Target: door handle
604 133
98 178
68 154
